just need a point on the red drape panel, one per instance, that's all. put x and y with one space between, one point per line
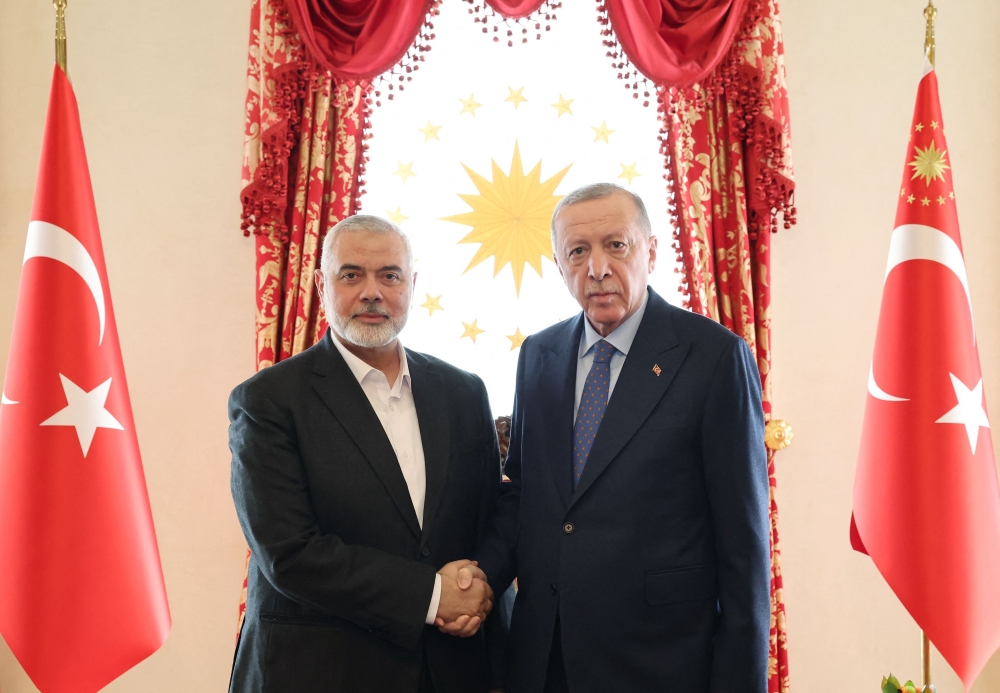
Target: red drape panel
718 70
675 42
306 123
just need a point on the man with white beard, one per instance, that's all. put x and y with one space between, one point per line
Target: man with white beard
363 474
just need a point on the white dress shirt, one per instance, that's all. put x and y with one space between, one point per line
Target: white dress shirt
397 412
621 339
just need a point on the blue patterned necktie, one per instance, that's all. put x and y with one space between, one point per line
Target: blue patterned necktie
592 405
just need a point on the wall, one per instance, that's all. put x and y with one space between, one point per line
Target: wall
161 90
160 87
853 69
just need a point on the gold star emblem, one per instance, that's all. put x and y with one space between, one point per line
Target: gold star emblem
563 106
432 304
396 217
940 200
516 339
951 195
404 171
471 330
910 199
629 172
510 217
516 96
934 124
925 202
902 192
918 127
929 164
602 132
469 105
430 132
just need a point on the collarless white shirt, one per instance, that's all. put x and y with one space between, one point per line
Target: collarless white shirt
397 413
621 339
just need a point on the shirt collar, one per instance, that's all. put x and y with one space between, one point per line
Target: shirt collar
362 370
622 337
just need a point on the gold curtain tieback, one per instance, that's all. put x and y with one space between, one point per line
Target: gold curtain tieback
778 434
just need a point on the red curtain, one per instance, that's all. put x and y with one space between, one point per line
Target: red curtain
303 158
716 68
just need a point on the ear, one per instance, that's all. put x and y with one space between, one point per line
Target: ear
652 253
320 283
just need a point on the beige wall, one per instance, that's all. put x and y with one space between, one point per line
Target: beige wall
161 88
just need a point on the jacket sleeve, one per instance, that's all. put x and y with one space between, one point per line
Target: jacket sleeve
495 551
384 594
735 462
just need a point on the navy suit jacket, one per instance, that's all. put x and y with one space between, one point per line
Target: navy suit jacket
657 564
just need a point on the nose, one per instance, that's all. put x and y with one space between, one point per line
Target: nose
598 267
371 290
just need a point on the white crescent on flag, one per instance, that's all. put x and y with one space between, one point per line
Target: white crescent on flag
918 242
55 243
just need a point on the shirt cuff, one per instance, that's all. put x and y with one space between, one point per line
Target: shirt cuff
432 610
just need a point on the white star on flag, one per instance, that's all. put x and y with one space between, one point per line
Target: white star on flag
84 411
969 411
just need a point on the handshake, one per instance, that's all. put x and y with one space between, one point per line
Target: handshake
466 599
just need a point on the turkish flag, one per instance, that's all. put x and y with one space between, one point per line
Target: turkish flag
926 500
82 597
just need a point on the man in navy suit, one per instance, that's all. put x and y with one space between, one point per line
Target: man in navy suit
636 520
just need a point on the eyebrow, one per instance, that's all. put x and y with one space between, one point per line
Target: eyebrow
386 268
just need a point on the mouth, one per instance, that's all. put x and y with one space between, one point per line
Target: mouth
371 318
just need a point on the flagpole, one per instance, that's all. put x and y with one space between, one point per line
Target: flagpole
60 6
930 13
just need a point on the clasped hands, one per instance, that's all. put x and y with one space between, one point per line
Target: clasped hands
466 599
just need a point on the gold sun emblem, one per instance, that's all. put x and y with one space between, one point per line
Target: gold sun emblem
929 164
510 217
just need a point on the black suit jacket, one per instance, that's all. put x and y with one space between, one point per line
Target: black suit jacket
341 573
657 564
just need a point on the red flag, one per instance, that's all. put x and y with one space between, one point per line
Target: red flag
926 500
81 589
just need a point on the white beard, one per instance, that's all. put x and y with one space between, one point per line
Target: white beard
369 336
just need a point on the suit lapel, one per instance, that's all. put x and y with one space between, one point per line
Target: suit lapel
558 367
431 401
638 389
342 394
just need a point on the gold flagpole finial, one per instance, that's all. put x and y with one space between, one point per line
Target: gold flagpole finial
60 6
930 12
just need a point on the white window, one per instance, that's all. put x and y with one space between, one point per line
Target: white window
483 255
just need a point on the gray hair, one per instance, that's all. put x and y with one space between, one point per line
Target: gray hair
361 222
597 191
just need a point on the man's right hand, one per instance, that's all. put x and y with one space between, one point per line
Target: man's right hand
466 599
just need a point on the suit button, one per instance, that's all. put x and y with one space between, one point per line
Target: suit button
568 528
425 552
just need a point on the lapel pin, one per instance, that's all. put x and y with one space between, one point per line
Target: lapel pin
656 369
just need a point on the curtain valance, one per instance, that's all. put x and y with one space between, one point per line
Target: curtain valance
675 43
358 39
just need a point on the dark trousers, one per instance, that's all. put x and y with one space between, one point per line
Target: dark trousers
555 679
